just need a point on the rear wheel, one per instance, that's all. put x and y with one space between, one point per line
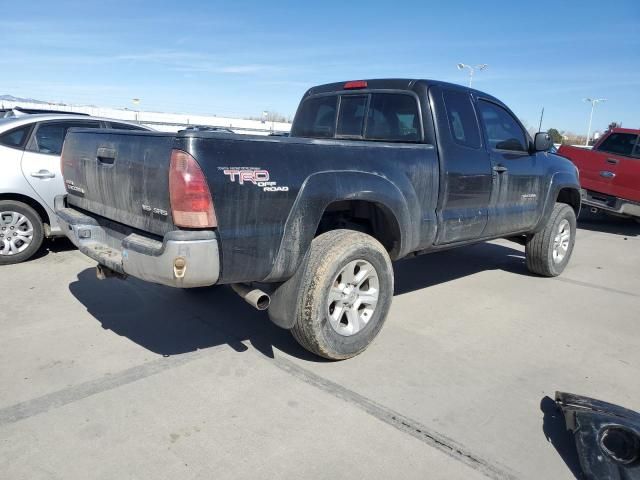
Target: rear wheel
345 296
549 250
21 232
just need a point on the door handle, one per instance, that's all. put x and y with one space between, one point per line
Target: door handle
606 174
106 155
43 174
500 169
612 161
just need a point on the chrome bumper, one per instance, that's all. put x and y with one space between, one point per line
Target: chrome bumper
611 204
182 259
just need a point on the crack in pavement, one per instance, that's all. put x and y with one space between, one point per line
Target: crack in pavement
60 398
597 287
396 420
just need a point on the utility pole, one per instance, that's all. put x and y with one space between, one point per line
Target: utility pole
593 102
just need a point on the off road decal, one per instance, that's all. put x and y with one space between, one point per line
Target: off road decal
253 176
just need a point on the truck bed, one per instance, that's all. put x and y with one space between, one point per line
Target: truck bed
263 188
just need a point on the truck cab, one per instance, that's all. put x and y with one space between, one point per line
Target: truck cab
610 172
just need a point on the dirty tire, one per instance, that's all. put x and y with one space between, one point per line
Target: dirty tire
328 255
540 246
38 231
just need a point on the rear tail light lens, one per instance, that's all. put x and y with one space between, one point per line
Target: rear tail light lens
191 202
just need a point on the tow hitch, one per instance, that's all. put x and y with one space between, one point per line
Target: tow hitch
103 272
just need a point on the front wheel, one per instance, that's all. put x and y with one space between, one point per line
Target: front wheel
345 296
549 250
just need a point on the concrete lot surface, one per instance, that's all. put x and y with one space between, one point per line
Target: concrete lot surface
112 379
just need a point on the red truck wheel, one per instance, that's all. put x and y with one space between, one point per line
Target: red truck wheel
346 294
549 250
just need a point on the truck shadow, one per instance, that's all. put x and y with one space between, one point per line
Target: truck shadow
170 321
53 245
600 222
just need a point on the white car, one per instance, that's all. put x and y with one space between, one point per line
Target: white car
30 177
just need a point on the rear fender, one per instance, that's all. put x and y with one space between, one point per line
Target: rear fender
323 188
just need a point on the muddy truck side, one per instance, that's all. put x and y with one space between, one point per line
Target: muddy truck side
308 225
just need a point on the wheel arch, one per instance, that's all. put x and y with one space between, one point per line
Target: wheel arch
570 196
37 206
324 193
564 188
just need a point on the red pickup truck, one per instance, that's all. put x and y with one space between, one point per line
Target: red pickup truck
610 172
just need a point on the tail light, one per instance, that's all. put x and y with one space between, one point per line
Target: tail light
355 84
191 203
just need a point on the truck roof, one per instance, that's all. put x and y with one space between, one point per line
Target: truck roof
633 131
392 84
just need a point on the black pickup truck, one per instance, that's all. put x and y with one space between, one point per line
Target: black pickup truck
307 225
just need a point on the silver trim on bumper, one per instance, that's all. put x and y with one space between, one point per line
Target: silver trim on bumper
182 259
617 205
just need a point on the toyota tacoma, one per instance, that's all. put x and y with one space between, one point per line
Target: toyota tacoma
308 225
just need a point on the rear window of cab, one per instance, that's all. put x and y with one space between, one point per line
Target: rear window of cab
388 117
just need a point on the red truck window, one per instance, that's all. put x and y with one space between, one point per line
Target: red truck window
619 144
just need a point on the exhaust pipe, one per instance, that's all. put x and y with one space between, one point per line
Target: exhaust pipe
594 210
253 296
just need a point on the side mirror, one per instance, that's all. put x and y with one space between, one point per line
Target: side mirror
542 142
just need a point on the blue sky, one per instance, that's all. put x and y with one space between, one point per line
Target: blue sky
240 58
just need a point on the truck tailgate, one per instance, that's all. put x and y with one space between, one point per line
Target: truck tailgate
120 175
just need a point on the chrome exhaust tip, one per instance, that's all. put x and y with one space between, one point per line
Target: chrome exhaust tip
255 297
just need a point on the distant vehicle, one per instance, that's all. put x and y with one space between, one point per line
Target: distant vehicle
206 128
20 111
373 171
610 172
30 177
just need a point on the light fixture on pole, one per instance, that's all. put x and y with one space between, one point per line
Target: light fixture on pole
136 102
472 70
593 102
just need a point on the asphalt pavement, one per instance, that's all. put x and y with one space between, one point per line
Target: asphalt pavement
124 379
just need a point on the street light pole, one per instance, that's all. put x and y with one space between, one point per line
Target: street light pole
472 70
593 102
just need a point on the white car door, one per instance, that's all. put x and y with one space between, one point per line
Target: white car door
41 158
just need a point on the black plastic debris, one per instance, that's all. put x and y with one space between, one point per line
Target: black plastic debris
607 437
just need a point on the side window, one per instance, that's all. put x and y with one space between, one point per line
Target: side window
15 138
125 126
636 151
317 117
351 115
49 136
502 130
393 117
619 144
461 118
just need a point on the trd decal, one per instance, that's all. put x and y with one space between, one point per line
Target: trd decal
254 176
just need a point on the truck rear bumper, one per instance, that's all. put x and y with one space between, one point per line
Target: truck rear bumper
182 259
609 203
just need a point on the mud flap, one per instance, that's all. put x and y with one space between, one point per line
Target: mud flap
607 437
